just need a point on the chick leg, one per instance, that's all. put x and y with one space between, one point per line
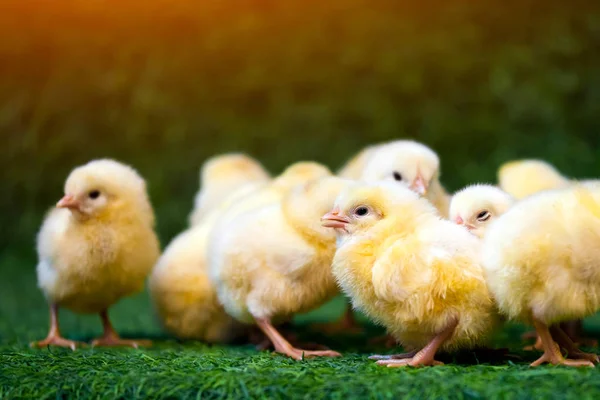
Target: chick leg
426 356
537 346
347 324
552 353
566 343
54 337
282 346
111 338
574 329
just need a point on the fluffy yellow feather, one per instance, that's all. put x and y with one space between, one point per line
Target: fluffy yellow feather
476 206
523 178
541 260
410 271
405 161
271 262
183 295
222 175
97 246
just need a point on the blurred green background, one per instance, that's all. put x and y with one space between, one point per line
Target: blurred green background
163 85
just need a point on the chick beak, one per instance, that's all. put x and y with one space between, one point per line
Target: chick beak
69 202
460 221
419 185
333 219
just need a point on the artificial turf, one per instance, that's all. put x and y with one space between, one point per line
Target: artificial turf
173 369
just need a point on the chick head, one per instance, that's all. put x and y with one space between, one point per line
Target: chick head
233 167
522 178
404 161
301 172
476 206
102 187
361 207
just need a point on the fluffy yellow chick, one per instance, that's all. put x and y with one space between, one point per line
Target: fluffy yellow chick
97 246
405 161
183 295
476 206
541 263
522 178
272 262
223 175
411 271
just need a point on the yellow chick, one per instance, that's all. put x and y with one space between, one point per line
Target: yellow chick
541 264
272 262
222 175
96 247
476 206
405 161
410 271
522 178
183 295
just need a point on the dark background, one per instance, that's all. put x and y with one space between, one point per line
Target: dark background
163 85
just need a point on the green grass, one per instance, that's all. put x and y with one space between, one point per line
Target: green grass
173 369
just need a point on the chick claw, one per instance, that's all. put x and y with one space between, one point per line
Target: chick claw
58 342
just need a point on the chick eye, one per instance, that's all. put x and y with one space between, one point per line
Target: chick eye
397 176
483 216
94 194
361 211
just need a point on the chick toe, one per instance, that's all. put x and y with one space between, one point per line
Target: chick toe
565 342
58 341
552 354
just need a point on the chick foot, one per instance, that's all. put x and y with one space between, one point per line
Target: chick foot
58 341
282 346
552 353
345 325
426 356
54 337
112 339
564 341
